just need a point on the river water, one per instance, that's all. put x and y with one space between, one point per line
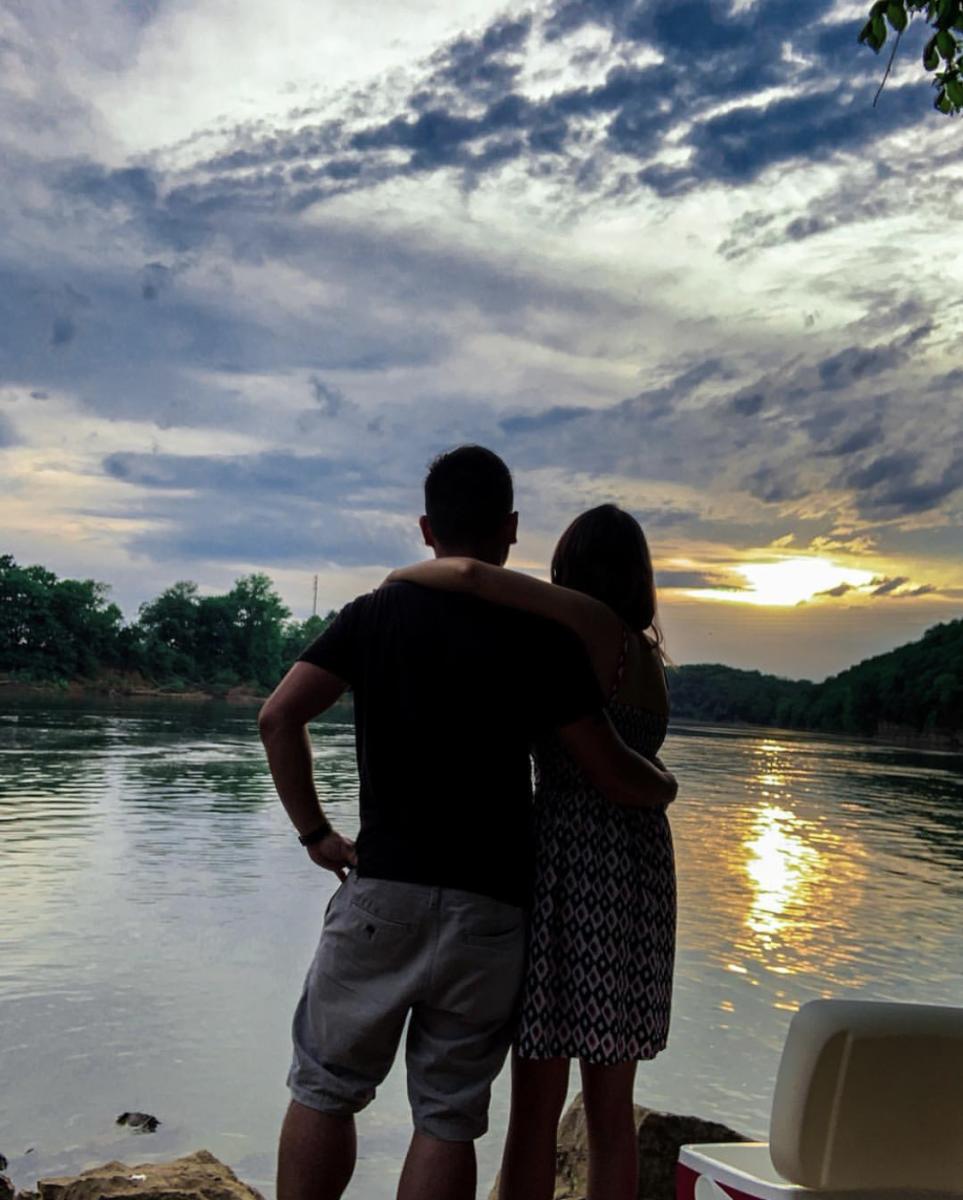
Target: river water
157 917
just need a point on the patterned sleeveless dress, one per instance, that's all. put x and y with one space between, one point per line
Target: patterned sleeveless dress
598 985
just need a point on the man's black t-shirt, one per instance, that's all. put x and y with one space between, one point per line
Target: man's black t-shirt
449 694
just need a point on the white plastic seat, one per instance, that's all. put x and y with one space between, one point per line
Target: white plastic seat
868 1101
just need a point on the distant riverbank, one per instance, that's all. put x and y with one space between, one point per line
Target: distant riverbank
124 686
128 686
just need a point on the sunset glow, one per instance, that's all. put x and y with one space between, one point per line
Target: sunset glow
238 322
786 582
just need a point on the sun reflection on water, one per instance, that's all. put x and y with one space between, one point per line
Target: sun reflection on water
802 880
781 866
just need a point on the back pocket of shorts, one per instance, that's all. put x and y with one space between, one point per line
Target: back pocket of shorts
372 922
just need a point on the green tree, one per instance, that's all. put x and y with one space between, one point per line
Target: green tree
257 614
300 634
943 52
167 628
55 628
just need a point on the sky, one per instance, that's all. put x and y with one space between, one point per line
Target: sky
259 264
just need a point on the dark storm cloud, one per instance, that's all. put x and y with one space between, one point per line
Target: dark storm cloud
748 404
466 110
859 439
486 65
739 145
885 469
776 485
903 484
842 369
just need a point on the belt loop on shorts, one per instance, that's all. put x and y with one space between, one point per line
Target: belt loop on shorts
434 898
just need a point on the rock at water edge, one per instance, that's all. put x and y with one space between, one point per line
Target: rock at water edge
660 1136
198 1176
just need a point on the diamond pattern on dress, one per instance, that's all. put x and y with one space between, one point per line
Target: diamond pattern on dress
599 980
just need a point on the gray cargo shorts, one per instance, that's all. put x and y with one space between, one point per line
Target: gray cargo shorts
451 959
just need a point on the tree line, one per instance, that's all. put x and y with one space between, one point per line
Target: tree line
918 687
68 629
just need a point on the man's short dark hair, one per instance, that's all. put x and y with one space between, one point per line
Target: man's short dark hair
468 495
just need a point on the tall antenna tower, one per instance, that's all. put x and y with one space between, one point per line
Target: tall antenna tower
314 603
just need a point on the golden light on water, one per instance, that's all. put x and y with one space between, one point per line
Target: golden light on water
798 874
786 582
781 866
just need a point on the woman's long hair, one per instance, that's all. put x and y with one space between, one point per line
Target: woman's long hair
604 554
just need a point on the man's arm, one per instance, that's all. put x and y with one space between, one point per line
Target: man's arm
622 776
304 693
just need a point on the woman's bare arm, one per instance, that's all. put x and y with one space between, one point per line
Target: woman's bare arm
594 622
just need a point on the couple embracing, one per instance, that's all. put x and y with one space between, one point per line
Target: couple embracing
481 918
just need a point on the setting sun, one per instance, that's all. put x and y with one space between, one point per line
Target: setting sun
787 581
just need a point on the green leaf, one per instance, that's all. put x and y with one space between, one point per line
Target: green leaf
879 32
897 15
931 58
954 89
946 44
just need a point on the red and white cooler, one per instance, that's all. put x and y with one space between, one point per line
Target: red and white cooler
868 1105
744 1171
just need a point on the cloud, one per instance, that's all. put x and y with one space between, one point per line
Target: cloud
694 579
63 331
472 108
841 589
550 418
894 587
858 439
329 399
8 434
885 587
892 486
271 506
257 334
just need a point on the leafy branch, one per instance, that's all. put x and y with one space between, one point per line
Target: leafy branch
942 54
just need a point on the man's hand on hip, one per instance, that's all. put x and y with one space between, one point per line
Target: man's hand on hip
334 853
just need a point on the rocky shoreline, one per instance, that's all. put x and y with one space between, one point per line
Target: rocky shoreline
201 1176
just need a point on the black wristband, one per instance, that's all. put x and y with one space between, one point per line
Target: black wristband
316 835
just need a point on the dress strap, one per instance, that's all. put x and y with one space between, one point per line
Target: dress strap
620 669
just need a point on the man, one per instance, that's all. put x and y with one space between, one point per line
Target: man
449 693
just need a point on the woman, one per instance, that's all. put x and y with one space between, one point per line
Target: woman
599 978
